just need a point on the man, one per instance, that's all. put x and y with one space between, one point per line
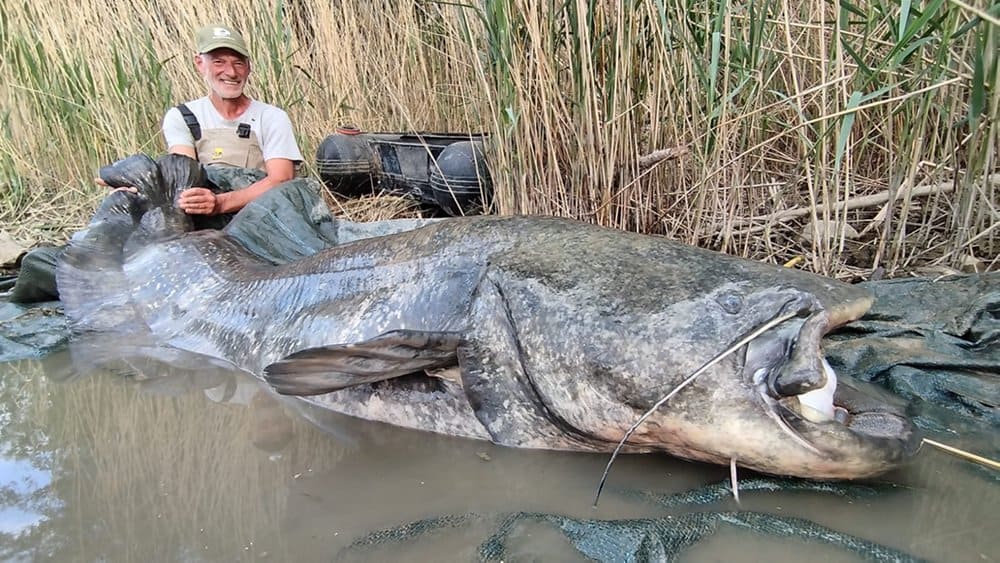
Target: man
228 128
224 128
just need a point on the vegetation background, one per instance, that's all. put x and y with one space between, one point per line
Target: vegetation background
859 135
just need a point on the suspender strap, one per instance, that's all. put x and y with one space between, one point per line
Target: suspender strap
191 121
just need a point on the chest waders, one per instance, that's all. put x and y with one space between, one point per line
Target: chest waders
239 147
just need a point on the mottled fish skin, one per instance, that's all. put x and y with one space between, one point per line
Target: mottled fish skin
568 333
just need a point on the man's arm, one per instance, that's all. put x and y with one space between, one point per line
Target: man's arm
185 150
278 170
202 201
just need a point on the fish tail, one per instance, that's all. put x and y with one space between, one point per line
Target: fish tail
90 275
157 181
92 285
178 173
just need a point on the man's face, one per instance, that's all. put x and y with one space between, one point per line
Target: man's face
225 72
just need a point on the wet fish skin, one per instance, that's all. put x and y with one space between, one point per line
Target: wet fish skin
564 334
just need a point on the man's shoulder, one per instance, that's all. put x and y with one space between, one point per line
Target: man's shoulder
265 108
196 106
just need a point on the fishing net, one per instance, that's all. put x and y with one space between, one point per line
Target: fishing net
637 539
293 221
31 331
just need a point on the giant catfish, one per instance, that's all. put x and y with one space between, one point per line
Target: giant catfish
532 332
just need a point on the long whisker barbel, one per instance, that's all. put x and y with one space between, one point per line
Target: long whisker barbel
742 342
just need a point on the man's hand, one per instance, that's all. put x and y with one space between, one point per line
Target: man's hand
198 201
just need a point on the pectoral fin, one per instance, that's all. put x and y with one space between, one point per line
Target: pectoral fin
330 368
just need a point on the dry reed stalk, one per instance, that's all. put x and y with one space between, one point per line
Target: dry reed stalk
376 208
830 102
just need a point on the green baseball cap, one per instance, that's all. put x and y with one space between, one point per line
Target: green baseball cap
212 37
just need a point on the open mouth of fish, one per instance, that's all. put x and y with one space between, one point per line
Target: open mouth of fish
803 394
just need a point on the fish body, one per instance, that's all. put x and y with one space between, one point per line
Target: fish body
533 332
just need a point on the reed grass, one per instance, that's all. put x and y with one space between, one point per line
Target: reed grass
779 107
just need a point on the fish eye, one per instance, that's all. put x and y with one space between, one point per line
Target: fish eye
731 303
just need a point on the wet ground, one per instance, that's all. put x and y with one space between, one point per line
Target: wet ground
140 462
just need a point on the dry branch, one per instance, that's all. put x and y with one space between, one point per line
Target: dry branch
658 156
759 223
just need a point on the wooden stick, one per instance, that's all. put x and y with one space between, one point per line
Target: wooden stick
853 203
658 156
964 454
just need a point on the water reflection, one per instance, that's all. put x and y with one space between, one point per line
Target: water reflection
143 466
19 479
120 453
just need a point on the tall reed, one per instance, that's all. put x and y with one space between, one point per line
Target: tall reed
800 124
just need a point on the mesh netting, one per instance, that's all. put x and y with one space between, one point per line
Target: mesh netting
639 539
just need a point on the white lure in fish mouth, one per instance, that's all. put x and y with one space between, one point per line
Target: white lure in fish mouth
780 362
817 405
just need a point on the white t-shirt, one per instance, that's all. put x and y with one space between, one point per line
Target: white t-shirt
269 123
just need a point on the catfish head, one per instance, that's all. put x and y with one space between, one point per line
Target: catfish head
601 350
766 398
844 428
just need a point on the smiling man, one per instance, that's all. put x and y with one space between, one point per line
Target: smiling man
227 127
224 128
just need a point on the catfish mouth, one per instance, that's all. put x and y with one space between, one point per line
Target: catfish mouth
831 417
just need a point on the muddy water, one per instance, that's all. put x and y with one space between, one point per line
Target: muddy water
141 462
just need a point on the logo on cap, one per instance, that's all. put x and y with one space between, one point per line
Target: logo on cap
220 32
